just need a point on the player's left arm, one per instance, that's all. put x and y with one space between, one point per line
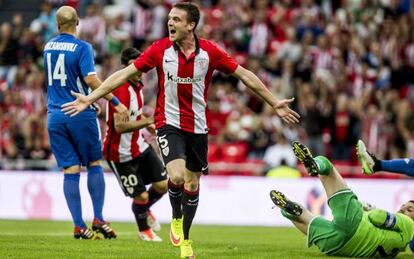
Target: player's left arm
395 222
256 85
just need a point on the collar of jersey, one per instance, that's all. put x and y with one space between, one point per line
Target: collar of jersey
67 34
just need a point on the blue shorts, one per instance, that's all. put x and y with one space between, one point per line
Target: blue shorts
75 143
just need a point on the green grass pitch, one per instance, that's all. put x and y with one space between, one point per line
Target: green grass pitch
53 239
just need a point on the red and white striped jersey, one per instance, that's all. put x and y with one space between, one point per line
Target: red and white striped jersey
126 146
182 82
322 59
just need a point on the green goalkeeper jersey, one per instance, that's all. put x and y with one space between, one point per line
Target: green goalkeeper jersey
372 241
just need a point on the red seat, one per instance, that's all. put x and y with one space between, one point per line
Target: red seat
214 152
234 152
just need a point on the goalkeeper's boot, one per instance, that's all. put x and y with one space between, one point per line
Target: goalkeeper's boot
366 159
153 222
104 228
289 209
149 235
187 250
304 155
176 232
84 233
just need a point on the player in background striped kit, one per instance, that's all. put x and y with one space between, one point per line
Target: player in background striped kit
133 161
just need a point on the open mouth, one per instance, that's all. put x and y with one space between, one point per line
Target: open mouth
172 32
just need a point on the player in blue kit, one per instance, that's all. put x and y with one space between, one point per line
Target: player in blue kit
371 164
75 141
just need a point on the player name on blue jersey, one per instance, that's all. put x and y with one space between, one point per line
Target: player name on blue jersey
66 46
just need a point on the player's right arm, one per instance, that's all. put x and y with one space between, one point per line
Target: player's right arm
143 63
112 82
122 126
94 83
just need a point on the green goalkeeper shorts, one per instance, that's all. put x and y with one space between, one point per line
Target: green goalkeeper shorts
331 236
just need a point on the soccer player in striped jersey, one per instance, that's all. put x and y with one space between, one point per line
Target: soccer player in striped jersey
371 164
75 141
353 232
185 65
133 161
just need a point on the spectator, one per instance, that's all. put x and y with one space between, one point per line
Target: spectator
141 22
9 54
360 53
92 28
280 153
47 19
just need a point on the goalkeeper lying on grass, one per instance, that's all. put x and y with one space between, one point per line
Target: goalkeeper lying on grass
352 232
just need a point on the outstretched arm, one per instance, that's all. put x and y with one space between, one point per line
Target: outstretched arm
111 83
94 83
256 85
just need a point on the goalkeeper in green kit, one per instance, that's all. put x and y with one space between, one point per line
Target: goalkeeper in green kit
353 232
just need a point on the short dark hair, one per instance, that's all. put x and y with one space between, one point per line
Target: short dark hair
193 13
128 54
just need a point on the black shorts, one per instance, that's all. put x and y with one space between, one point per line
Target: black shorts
133 175
175 143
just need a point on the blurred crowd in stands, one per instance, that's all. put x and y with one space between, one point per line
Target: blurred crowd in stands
348 63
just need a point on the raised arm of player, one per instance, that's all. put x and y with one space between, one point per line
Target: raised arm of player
256 85
94 82
111 83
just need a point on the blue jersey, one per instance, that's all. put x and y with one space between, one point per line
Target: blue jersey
67 62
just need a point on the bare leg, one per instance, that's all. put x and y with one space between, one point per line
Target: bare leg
300 216
302 222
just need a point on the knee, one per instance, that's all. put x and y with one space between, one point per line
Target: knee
94 163
142 197
176 170
191 185
160 187
177 179
72 169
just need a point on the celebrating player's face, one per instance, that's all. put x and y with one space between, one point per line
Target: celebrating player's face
178 27
408 209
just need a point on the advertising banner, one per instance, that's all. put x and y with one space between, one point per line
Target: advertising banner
224 200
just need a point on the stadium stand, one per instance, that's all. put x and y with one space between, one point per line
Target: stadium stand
348 63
